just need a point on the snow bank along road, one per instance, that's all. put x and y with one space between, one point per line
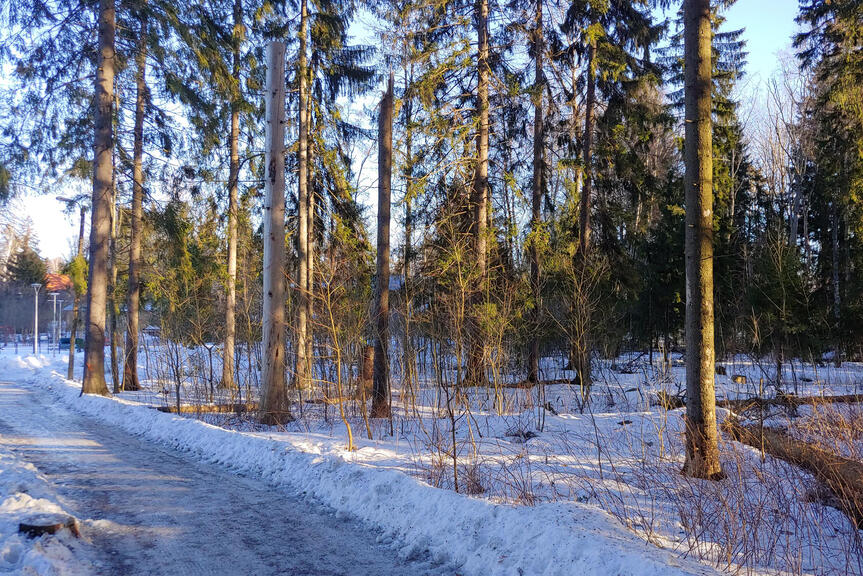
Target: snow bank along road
149 511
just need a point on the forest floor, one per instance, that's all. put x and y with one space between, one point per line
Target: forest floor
547 485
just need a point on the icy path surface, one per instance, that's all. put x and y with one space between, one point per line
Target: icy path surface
149 511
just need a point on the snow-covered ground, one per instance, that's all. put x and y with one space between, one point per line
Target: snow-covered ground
473 534
546 485
627 383
24 496
151 510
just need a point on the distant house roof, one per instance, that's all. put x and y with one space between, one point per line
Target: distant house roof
57 283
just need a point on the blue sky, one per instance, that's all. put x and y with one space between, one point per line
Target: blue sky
769 25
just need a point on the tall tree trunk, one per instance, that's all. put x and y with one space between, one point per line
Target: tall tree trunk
407 343
302 362
81 226
536 196
113 308
73 330
795 218
275 405
130 364
94 359
837 298
573 131
381 387
310 246
476 353
587 151
807 248
227 381
581 345
702 437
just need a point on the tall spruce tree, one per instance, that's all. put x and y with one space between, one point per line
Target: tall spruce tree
133 294
101 201
612 38
479 200
830 46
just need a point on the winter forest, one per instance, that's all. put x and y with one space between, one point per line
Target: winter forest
516 287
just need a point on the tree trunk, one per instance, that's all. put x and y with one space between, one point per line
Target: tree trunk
702 438
381 389
587 151
573 131
837 298
536 197
407 343
476 354
367 373
301 375
795 218
94 360
581 345
310 246
130 364
73 330
113 308
81 231
275 406
227 381
807 251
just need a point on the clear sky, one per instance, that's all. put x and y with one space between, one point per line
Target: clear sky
769 25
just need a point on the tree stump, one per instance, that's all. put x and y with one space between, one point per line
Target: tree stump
42 524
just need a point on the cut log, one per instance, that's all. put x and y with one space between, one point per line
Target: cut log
788 401
843 476
42 524
208 409
331 400
527 384
671 402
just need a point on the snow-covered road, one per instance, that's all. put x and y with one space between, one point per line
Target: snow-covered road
148 510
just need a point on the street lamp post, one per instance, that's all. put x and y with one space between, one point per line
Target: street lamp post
20 298
70 203
60 325
35 286
53 296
